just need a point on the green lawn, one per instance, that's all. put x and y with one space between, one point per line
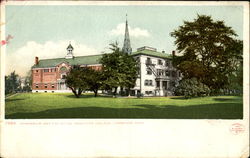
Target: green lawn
61 105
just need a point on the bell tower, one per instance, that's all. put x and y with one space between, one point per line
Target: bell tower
126 45
69 52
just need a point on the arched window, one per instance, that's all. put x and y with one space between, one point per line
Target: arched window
63 69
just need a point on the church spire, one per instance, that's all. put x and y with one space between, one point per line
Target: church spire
126 45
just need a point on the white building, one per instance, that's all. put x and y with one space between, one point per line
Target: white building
157 76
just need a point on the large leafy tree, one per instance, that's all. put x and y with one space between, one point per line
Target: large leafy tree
208 51
84 78
119 69
75 80
12 83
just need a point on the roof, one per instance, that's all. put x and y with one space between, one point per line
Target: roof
80 60
151 53
70 46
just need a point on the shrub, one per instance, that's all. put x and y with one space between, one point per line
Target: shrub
192 88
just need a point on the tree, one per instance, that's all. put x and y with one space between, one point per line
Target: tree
12 83
130 68
93 79
208 51
119 69
192 88
75 80
27 82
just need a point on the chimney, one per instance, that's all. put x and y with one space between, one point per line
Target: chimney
36 60
173 53
163 51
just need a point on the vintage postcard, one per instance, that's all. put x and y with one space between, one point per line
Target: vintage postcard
124 79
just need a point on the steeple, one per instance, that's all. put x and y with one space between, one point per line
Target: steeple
69 51
126 45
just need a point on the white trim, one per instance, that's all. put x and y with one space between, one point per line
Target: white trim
50 91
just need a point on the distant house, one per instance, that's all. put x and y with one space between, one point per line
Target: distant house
157 76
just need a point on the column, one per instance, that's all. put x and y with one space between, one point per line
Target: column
161 88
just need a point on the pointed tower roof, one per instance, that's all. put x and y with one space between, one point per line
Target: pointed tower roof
70 46
69 51
126 45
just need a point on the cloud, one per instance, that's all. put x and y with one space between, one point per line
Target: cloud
134 32
23 58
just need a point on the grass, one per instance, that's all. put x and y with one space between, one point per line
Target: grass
65 105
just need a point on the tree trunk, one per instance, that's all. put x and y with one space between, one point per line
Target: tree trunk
96 91
129 92
115 91
79 92
75 93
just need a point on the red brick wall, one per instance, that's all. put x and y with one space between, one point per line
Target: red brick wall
42 78
42 86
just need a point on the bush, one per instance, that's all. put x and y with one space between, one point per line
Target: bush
192 88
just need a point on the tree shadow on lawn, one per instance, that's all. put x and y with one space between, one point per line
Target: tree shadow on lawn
89 96
227 99
205 111
10 99
216 99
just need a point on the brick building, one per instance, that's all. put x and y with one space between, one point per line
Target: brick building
48 74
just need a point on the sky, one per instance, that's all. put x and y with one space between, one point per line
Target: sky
45 31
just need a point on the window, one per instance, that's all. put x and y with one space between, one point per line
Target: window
149 92
138 59
45 86
37 86
159 72
157 83
167 73
138 70
160 62
63 76
165 85
46 70
36 70
63 69
166 63
150 82
53 70
52 86
148 61
149 72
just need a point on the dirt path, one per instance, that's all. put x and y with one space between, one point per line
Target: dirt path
11 95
